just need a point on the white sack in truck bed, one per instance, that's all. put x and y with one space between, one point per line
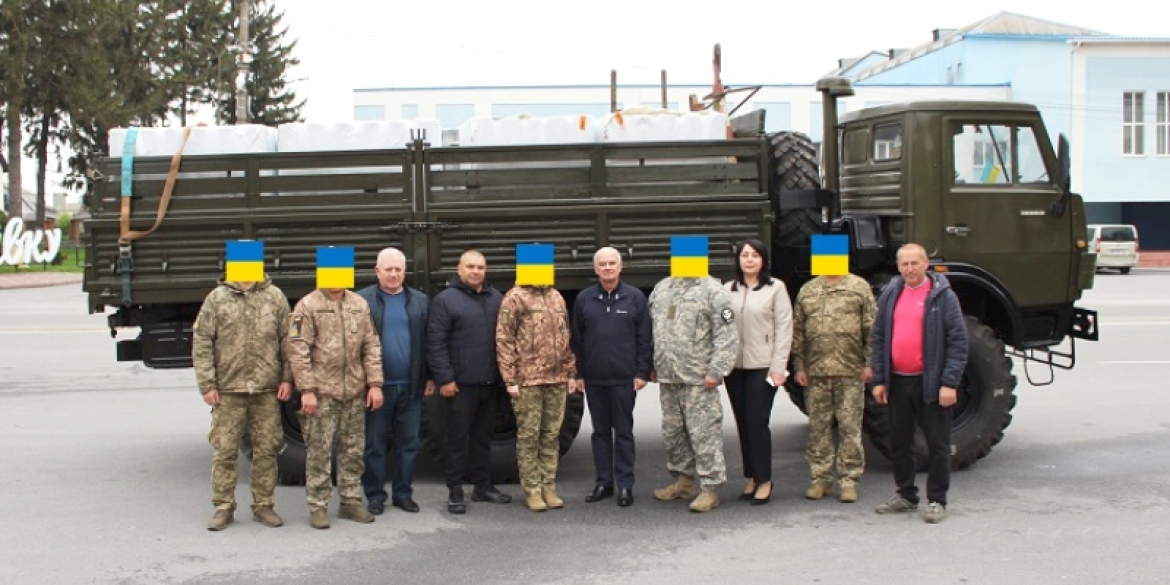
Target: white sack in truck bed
166 141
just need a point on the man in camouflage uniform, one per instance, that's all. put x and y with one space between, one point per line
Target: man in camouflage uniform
695 345
336 360
532 347
241 372
832 320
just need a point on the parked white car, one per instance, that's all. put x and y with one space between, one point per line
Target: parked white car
1116 246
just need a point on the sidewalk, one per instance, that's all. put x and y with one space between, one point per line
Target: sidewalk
14 280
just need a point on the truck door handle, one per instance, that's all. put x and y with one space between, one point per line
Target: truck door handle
958 230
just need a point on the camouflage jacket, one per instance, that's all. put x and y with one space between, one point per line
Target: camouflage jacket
333 348
694 330
831 327
239 337
532 337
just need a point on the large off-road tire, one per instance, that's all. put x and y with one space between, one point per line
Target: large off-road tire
794 168
986 399
433 433
290 460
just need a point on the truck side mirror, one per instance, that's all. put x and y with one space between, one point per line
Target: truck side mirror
1063 176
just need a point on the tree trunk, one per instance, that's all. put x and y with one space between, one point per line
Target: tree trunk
42 168
15 137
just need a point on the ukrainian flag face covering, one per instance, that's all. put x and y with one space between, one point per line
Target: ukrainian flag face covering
244 261
830 255
534 264
688 256
334 267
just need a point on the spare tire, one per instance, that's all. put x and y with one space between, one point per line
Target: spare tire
986 399
793 166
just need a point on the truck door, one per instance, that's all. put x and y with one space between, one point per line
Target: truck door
997 209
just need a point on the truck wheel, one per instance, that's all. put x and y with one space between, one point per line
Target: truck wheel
1124 270
986 399
290 460
794 168
433 433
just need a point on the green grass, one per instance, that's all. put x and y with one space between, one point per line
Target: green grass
68 260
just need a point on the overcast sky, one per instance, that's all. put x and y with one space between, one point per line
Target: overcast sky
348 44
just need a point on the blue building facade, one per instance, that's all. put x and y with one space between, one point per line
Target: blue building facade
1109 95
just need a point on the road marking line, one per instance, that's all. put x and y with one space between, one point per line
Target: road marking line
1156 362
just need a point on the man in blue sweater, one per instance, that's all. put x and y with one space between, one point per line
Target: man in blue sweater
400 316
613 343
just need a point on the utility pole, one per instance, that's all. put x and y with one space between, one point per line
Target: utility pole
244 45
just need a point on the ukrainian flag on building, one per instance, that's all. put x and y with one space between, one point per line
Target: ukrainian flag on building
334 267
830 255
244 261
688 256
534 264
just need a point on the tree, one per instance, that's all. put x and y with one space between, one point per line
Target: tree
272 102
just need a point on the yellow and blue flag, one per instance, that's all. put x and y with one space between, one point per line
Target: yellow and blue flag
244 261
334 267
830 255
534 264
991 173
688 256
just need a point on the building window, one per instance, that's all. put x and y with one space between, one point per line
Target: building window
369 112
1163 128
409 111
453 115
1133 123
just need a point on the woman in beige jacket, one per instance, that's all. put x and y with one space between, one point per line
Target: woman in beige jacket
763 318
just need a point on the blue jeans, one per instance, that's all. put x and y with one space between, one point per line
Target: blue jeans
394 426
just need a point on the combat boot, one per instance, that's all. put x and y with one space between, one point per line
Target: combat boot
818 490
267 516
220 519
549 495
848 494
682 488
536 500
319 518
708 500
356 512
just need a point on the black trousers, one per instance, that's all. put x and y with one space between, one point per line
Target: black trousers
471 418
611 408
751 402
908 409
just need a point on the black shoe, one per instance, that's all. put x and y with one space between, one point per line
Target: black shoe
746 496
377 507
625 497
491 494
600 492
764 500
406 505
455 503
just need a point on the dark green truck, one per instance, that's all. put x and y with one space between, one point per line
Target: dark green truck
1013 246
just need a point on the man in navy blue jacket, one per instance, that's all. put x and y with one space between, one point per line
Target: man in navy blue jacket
461 353
919 353
613 343
400 318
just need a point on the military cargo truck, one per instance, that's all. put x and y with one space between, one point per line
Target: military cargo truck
1013 246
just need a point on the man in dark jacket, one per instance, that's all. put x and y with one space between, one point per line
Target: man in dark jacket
461 354
615 350
400 317
919 353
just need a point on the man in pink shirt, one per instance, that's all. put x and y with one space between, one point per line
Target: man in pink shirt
919 353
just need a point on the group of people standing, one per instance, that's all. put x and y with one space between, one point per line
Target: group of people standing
363 362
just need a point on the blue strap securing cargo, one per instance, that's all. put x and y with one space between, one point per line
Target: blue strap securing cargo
128 161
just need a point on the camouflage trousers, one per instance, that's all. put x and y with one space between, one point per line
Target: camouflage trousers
539 410
840 398
342 421
692 432
260 414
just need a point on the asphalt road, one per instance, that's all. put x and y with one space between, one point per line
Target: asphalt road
105 479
